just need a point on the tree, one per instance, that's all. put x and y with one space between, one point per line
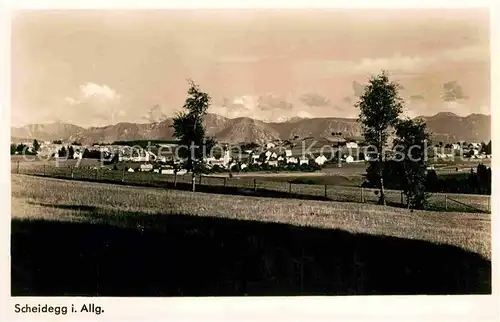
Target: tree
62 153
410 145
380 107
71 152
189 129
36 145
57 142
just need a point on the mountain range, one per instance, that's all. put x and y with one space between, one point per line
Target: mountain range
445 127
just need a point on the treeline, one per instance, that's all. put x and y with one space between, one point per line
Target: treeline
474 182
478 182
25 149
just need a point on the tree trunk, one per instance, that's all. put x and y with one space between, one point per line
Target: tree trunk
193 180
381 200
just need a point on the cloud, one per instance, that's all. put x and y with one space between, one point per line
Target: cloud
312 99
396 63
452 91
93 104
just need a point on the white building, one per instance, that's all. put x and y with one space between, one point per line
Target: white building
255 158
288 153
77 154
270 145
455 146
280 158
130 170
349 159
351 145
243 166
304 160
292 160
167 171
273 163
320 160
146 167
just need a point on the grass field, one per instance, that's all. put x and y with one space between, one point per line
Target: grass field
84 238
340 187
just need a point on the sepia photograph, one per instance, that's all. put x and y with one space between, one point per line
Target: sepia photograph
250 152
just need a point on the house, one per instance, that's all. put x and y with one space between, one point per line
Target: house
288 153
349 159
130 170
280 158
77 154
243 166
292 160
475 145
320 160
273 163
167 171
146 167
270 145
455 146
304 160
255 158
268 154
248 151
351 145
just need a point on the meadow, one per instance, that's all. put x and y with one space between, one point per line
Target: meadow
334 184
89 238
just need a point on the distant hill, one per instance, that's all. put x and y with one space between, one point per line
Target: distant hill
446 127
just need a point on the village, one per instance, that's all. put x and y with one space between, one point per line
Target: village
278 155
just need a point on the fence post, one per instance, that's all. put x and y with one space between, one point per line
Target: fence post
71 168
199 180
225 183
18 167
255 185
44 170
175 178
326 192
97 173
489 205
289 187
402 198
446 202
123 174
362 195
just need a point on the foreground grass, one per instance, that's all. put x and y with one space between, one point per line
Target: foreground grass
339 187
80 238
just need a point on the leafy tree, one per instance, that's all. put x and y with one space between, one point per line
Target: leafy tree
62 153
13 149
36 145
71 152
410 144
189 129
486 148
380 107
57 142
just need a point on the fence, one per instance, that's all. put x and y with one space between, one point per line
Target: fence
253 186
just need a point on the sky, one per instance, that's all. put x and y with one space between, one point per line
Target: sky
95 68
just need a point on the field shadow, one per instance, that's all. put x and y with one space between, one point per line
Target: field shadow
178 255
